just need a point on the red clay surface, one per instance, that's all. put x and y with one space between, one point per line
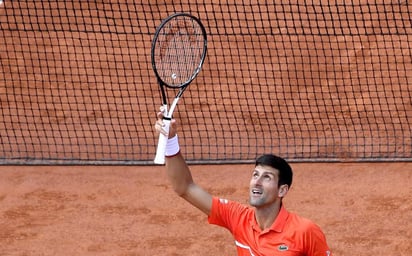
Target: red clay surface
363 208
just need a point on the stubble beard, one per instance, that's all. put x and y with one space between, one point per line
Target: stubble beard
256 202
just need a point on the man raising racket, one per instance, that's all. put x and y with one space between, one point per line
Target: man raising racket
263 228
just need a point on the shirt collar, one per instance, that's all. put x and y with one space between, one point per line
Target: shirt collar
280 220
277 225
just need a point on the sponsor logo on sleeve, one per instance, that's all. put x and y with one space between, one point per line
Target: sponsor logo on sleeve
223 201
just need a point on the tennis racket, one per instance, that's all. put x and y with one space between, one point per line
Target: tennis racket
178 52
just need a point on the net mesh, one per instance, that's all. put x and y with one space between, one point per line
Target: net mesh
307 80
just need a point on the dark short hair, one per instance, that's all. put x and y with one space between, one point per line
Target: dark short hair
280 164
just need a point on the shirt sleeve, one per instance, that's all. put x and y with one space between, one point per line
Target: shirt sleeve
316 242
225 213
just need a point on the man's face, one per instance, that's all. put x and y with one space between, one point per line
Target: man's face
263 188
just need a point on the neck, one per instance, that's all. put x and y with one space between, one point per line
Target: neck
266 215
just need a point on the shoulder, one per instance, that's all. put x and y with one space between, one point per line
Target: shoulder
221 204
308 235
303 225
227 211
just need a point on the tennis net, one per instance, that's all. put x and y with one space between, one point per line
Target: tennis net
307 80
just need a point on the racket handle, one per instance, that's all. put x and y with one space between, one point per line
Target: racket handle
161 145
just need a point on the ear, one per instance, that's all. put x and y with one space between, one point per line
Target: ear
283 190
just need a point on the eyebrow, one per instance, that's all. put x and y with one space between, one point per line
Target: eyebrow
265 172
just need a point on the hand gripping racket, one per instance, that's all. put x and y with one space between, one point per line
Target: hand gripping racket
178 52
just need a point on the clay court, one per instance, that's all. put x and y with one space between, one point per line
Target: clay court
54 201
363 208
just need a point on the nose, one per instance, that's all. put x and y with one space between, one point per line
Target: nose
257 180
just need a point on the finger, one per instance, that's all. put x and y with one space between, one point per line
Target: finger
162 109
160 115
159 127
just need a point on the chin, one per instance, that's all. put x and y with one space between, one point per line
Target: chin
255 203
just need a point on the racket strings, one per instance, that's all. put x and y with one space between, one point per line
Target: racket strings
180 46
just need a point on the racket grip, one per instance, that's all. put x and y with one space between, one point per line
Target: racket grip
161 145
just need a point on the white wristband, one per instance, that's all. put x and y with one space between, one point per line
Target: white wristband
172 147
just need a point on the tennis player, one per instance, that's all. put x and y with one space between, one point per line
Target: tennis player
263 228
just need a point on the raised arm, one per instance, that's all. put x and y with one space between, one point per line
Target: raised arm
180 176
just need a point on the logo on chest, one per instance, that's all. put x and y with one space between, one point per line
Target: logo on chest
283 247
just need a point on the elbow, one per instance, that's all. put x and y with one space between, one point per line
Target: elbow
179 191
182 190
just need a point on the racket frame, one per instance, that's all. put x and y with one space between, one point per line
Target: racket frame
168 112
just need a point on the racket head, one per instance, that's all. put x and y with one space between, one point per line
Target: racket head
178 50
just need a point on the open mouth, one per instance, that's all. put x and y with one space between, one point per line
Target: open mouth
256 191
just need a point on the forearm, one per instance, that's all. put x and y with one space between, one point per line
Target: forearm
179 174
183 184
